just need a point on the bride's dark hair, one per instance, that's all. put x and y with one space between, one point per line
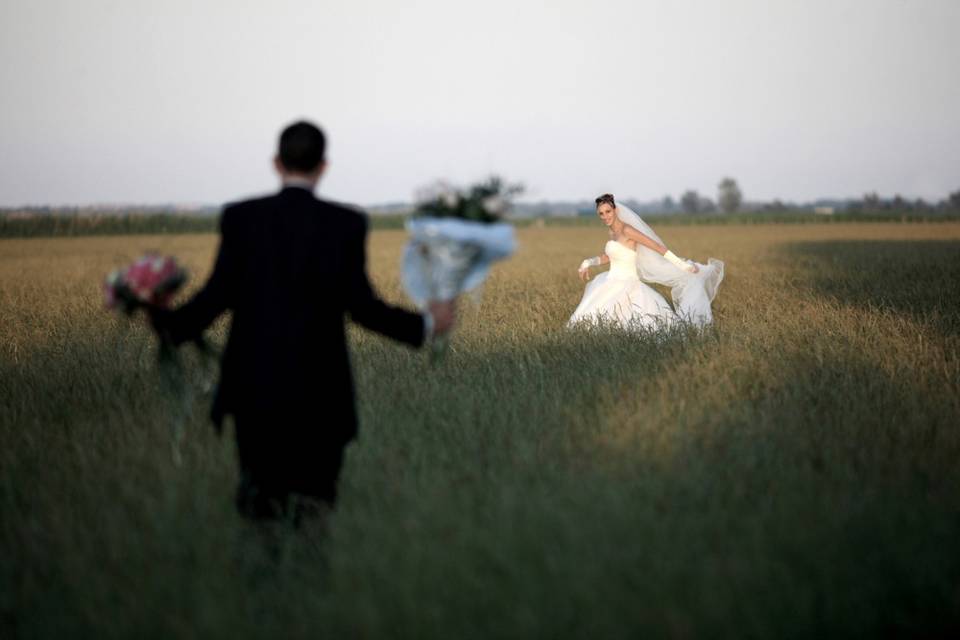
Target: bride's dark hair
608 198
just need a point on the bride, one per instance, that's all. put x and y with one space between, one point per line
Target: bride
636 254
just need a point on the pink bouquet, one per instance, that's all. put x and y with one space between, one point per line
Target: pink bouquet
151 281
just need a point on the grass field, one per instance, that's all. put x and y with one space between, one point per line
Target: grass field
792 473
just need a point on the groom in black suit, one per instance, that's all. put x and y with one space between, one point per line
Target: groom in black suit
290 267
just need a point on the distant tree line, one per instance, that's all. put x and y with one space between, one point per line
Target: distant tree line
16 224
873 203
730 200
729 207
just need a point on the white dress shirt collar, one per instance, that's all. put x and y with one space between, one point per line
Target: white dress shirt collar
300 183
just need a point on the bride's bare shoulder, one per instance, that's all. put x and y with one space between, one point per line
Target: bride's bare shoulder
633 233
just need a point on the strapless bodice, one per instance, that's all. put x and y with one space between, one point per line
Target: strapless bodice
623 261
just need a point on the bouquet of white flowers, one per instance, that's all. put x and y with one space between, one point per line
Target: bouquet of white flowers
455 236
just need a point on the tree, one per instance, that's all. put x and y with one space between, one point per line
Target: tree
668 205
729 195
953 201
690 201
871 202
777 206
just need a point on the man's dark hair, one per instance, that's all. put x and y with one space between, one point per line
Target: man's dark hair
301 147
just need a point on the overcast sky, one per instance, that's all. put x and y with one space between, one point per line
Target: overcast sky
181 101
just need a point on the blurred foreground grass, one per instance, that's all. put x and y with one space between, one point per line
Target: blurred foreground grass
791 473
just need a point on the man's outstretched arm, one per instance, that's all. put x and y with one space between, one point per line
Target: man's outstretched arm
189 321
367 309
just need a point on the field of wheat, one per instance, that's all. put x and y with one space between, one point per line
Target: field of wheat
792 472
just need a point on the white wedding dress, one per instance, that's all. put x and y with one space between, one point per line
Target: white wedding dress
618 296
621 295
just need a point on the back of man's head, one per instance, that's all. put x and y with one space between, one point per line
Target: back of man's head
302 146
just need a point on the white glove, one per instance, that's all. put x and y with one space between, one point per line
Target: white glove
680 263
590 262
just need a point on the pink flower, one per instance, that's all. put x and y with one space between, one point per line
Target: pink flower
152 280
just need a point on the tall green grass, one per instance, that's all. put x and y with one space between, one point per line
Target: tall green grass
789 473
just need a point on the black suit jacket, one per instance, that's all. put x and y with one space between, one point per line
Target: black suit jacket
290 267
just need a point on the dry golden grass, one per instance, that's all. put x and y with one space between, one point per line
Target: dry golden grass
791 472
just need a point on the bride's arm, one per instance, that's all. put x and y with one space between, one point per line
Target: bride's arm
584 270
643 239
647 241
595 261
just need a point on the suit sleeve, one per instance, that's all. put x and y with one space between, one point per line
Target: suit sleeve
367 309
189 321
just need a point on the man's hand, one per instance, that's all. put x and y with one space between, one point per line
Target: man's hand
444 315
584 274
